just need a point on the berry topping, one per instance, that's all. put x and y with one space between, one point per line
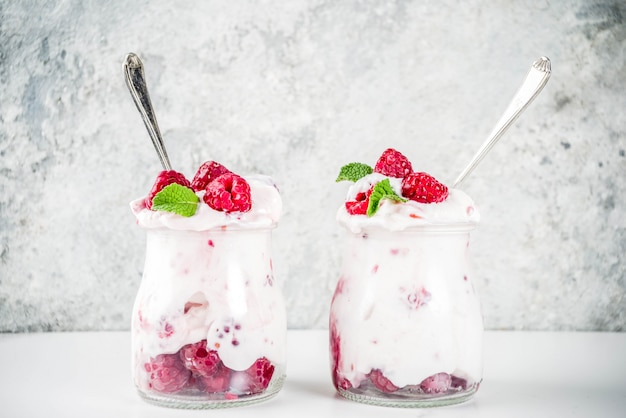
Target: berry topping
359 205
260 374
199 360
208 171
167 373
381 382
423 188
393 164
165 178
228 193
437 383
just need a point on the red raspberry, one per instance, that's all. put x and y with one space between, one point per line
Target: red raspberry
260 374
381 382
218 383
423 188
393 164
165 178
208 171
229 193
437 383
167 373
458 383
199 360
360 204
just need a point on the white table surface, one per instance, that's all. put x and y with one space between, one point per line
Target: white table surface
527 374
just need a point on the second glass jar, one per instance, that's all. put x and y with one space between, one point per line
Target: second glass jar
405 322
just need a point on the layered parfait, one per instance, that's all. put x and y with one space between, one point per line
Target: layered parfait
209 324
405 321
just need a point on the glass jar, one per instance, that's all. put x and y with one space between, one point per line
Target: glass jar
209 322
405 322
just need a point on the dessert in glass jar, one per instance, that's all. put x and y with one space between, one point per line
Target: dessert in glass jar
208 324
405 322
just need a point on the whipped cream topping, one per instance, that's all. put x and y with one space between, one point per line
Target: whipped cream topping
458 208
266 210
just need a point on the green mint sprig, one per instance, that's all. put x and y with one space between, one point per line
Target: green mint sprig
353 172
177 199
382 190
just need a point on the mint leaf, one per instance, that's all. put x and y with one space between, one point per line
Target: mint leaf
354 171
177 199
381 191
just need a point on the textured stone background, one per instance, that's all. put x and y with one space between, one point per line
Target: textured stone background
295 89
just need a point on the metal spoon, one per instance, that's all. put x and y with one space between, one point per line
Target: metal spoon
536 79
136 82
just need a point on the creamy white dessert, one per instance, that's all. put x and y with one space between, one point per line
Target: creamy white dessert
209 319
405 319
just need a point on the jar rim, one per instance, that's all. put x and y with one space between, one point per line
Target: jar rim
219 229
422 228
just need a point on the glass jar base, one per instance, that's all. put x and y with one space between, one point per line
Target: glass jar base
218 402
415 401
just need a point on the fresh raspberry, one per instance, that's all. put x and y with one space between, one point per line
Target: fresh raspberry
167 373
393 164
423 188
199 360
458 383
260 374
381 382
218 383
228 193
208 171
165 178
359 205
437 383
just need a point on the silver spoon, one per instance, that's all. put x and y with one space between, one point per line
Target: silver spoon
536 79
136 82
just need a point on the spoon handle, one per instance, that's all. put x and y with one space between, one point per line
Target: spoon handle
536 79
136 82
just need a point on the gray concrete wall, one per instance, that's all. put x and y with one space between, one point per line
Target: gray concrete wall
295 89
